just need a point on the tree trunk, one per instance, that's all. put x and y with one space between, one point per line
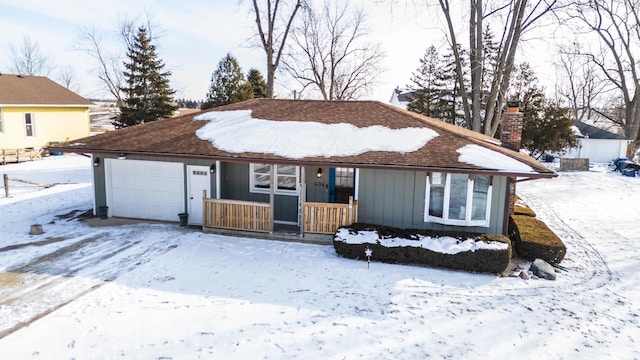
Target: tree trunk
444 5
267 37
476 53
632 128
496 99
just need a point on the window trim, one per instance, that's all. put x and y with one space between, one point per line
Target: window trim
32 123
349 178
259 190
469 204
1 121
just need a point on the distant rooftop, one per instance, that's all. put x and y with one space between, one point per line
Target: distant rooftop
36 90
592 132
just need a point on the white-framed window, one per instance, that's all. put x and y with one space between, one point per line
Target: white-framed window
1 122
286 182
29 126
458 199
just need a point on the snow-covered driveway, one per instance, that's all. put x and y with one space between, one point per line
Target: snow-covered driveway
159 291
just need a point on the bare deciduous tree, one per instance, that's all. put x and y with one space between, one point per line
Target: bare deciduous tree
28 59
109 66
579 86
514 17
617 26
330 53
273 30
67 77
109 60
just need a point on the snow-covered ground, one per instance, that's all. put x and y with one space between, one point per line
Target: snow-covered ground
161 291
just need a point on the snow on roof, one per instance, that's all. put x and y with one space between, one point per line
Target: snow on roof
483 157
576 131
236 131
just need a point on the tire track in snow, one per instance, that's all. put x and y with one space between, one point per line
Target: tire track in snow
565 231
579 278
56 279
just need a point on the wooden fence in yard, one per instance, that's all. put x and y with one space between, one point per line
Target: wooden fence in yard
237 215
323 218
6 179
17 155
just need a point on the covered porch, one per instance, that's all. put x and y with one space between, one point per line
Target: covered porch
317 219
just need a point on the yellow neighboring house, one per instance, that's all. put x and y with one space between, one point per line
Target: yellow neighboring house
35 111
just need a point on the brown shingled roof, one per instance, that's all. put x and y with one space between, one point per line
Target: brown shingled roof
176 137
36 90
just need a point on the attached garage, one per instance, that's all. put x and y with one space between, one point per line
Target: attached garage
145 189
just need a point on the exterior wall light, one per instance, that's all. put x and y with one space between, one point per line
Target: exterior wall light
212 168
96 162
319 173
122 156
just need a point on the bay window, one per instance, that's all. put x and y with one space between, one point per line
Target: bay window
458 199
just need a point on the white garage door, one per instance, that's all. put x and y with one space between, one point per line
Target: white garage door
145 189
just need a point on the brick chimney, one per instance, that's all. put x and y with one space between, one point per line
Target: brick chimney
511 134
511 138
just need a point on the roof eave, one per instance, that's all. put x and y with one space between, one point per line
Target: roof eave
492 172
48 105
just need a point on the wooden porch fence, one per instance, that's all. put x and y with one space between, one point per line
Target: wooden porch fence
323 218
319 218
237 215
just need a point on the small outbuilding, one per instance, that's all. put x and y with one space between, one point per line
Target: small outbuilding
596 144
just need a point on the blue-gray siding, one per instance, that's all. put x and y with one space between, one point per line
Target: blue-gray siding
397 198
235 186
386 197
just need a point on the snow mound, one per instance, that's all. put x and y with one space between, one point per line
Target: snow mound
238 132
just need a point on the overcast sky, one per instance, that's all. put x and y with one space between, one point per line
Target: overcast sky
196 34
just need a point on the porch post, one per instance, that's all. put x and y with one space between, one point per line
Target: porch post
302 198
274 183
205 215
218 177
350 213
356 189
356 183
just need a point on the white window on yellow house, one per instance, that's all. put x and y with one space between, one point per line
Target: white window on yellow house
458 199
29 125
1 122
287 179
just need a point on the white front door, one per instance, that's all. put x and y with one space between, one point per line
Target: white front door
198 180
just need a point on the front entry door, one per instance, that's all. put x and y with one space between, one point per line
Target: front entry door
198 180
341 182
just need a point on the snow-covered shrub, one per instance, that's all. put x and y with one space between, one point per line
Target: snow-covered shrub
485 253
533 239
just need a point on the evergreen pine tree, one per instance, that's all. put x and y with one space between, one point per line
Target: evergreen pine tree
546 126
491 53
426 85
228 85
255 78
436 87
149 96
450 96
